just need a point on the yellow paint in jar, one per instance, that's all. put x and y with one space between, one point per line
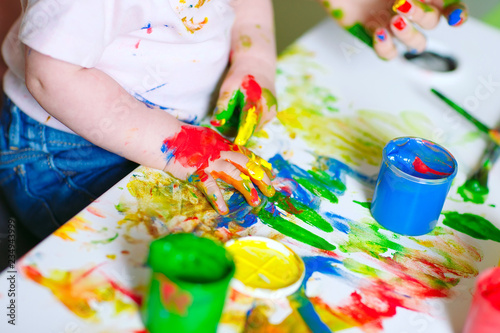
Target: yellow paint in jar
265 268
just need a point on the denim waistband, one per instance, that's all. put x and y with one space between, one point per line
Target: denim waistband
24 140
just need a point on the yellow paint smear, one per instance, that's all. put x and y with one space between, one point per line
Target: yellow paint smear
260 266
71 227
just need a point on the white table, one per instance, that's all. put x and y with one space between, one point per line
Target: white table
337 101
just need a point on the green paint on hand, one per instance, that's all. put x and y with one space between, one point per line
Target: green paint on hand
301 211
473 191
447 3
294 231
360 31
472 225
246 41
367 205
269 97
337 14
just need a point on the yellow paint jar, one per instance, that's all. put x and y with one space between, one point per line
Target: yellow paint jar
265 268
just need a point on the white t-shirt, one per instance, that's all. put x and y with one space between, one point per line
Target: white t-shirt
167 53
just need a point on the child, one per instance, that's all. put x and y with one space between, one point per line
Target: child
130 78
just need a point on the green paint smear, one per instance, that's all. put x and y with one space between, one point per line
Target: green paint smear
473 191
301 211
317 189
366 237
325 178
359 31
337 14
294 231
360 268
472 225
367 205
105 241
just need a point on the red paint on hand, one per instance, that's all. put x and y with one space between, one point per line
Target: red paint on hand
252 89
197 146
404 7
399 24
420 167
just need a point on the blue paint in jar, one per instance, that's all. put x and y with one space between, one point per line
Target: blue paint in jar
413 182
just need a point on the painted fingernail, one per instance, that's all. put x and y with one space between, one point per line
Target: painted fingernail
402 6
400 23
381 35
456 17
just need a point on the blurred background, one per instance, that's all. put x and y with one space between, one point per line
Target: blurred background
294 17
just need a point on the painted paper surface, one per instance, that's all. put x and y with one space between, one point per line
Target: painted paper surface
325 149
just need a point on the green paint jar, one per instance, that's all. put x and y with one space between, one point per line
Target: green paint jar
189 282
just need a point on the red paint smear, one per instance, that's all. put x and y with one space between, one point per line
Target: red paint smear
149 30
422 168
252 88
134 297
137 44
32 273
405 8
399 24
95 211
255 196
197 146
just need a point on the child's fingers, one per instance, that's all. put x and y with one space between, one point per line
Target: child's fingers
383 44
208 186
249 119
407 34
233 176
253 166
423 14
456 14
227 104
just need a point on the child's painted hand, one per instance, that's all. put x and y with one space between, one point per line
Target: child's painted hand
200 155
246 102
377 22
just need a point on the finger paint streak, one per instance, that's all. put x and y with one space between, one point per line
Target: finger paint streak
472 225
79 290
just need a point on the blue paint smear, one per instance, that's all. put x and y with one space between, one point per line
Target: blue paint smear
161 85
239 211
286 170
321 264
338 170
309 315
148 26
338 222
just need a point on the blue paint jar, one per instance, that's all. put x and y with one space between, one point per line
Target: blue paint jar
412 185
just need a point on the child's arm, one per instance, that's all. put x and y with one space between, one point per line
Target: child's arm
249 85
95 106
377 22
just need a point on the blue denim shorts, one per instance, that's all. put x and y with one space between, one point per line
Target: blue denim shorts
47 175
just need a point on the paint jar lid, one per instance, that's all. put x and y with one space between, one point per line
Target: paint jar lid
265 268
